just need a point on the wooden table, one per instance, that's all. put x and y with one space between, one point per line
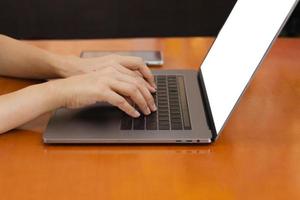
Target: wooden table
256 157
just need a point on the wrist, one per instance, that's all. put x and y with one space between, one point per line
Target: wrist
66 65
58 65
54 97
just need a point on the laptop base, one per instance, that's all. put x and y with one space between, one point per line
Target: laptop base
101 123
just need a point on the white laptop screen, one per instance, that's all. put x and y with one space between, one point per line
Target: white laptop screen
238 50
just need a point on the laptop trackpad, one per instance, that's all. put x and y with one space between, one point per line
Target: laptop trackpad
100 116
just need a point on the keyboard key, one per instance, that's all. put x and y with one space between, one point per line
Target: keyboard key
164 127
176 126
126 122
139 123
151 121
163 118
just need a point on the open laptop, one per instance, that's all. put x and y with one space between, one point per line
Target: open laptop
193 106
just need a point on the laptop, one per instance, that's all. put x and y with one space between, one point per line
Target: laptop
193 106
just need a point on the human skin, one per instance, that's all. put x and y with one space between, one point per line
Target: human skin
118 80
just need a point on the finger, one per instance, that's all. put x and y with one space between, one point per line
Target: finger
132 91
136 63
152 89
134 74
129 101
125 70
139 73
119 101
142 85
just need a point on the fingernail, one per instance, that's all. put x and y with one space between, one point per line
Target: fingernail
154 85
152 89
136 114
153 107
147 111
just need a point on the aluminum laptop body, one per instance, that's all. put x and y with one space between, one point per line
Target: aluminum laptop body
193 106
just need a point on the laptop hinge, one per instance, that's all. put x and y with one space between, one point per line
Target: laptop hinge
208 113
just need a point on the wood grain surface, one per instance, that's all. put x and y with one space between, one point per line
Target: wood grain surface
256 157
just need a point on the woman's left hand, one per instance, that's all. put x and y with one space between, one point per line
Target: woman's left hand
135 65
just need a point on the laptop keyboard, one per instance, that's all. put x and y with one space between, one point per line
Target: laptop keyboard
172 108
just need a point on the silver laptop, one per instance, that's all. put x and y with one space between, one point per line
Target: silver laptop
193 106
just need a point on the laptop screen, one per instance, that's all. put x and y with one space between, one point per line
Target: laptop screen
238 50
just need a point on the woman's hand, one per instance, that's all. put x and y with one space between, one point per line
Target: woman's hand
125 64
118 86
114 84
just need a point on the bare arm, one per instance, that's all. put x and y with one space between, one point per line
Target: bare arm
109 84
18 59
24 105
113 79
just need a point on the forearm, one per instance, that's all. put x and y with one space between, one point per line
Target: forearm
18 59
24 105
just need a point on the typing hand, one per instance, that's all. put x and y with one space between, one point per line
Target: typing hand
124 64
112 84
